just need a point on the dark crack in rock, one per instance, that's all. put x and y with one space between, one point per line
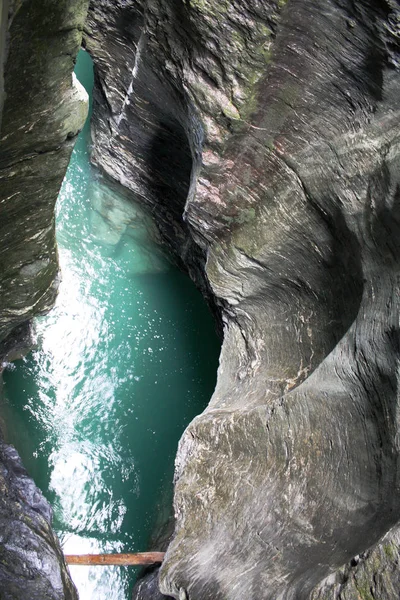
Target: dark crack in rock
147 584
147 588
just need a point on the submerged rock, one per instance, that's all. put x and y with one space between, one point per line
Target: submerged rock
115 213
114 219
265 138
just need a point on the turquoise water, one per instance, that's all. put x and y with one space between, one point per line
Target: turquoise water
125 360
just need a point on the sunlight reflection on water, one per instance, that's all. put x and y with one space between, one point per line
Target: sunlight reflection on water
125 360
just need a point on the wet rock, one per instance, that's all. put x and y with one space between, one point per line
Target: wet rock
147 588
265 138
31 561
44 109
147 585
18 345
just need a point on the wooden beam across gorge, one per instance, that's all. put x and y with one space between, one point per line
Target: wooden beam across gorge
139 558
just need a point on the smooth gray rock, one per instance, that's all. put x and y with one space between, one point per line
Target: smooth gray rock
265 138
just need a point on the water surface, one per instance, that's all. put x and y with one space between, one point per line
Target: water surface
125 360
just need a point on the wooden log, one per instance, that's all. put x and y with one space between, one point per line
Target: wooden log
139 558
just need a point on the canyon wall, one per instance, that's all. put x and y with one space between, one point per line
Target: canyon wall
43 108
264 136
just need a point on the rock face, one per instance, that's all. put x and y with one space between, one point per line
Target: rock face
30 555
264 135
148 587
43 108
371 576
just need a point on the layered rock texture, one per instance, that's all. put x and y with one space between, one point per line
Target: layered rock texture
31 561
43 108
373 575
264 136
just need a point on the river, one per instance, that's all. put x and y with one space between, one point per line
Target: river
124 361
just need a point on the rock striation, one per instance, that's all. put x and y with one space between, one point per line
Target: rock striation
264 136
31 560
373 575
43 107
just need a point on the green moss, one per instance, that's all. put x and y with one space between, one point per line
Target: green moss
231 112
246 215
263 45
289 94
365 592
210 7
363 587
269 144
261 59
390 551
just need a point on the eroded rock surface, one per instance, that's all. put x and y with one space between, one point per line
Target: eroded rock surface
31 562
264 135
374 575
268 134
44 108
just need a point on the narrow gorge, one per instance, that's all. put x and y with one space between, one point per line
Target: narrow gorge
124 361
264 138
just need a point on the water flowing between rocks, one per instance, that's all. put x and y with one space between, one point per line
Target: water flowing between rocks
124 361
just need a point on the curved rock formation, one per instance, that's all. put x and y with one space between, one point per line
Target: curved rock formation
44 108
265 137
